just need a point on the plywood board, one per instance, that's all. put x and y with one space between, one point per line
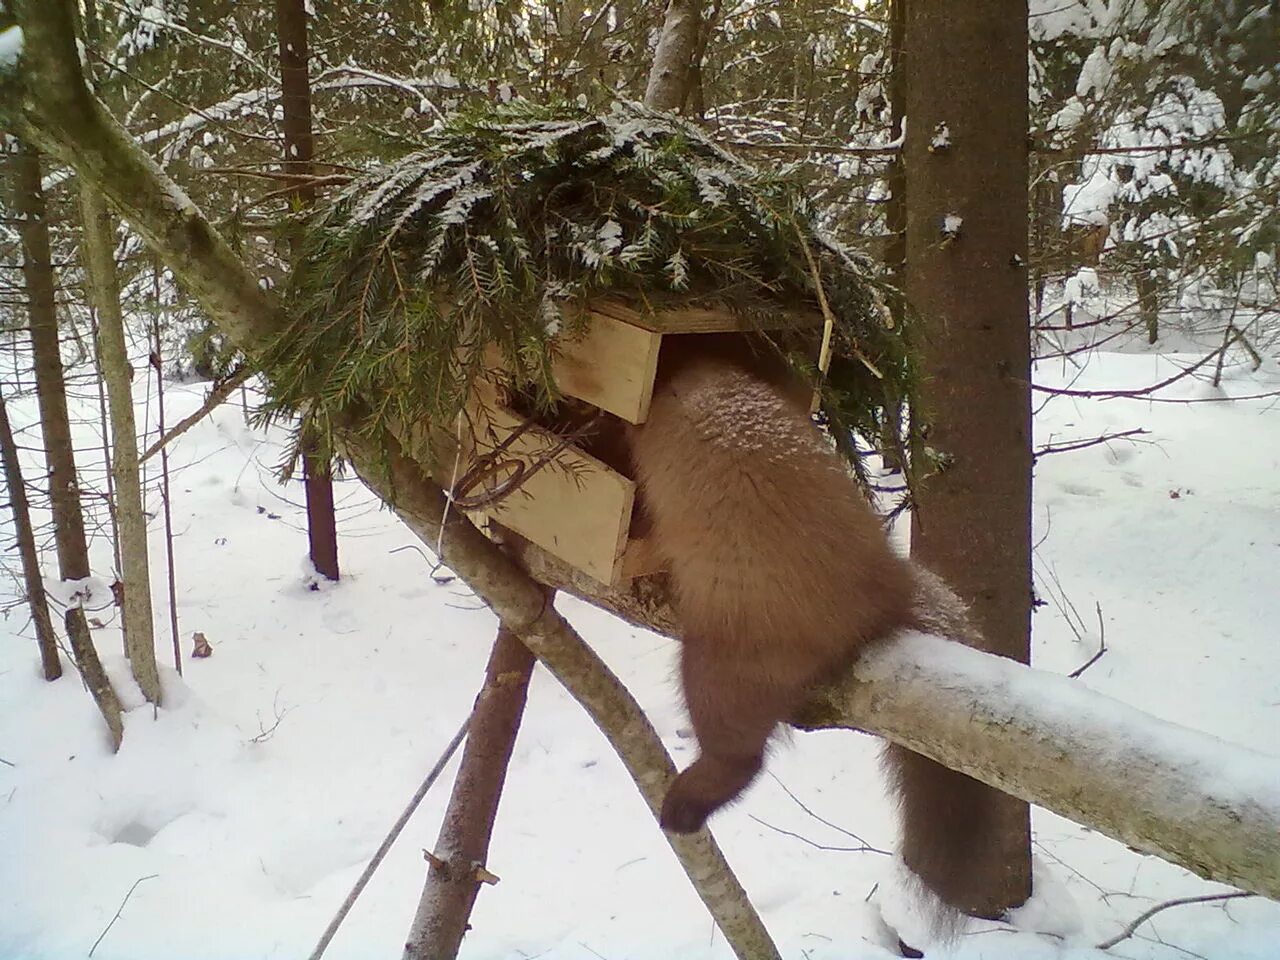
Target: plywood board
701 319
576 508
611 366
639 559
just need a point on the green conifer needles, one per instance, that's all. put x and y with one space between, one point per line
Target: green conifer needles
508 219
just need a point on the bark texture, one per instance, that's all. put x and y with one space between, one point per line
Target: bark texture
131 521
454 874
46 638
55 425
671 76
895 221
966 167
299 147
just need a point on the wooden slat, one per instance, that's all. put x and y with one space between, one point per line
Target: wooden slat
701 319
576 508
639 559
611 367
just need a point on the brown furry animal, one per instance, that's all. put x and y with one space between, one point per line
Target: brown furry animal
781 575
951 823
781 572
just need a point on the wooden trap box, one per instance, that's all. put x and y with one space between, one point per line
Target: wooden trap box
574 506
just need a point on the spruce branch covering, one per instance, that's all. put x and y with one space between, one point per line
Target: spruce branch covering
509 219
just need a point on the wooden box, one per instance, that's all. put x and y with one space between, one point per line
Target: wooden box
578 508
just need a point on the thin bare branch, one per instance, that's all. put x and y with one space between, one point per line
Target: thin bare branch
120 910
383 848
217 396
1146 915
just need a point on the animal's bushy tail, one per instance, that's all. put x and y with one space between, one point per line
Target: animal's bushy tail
955 830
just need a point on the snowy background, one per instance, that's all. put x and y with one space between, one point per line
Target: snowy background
254 798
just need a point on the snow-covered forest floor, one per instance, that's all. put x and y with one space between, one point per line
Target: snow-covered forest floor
251 802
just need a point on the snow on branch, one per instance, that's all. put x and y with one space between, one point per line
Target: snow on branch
1210 806
1207 805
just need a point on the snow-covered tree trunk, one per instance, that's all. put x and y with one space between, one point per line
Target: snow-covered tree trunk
671 73
966 162
457 865
46 638
131 522
55 425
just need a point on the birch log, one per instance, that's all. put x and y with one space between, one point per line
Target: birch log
1191 798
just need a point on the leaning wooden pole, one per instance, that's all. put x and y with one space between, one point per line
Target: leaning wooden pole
1197 801
458 866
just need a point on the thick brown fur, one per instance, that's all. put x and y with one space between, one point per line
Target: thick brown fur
780 570
949 828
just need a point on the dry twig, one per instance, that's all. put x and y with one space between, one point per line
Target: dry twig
1146 915
120 910
1102 647
1093 442
216 396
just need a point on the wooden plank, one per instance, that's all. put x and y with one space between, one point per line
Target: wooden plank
702 319
611 367
576 508
640 559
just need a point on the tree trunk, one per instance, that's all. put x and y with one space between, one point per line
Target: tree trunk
672 71
295 86
1148 302
462 848
895 215
966 160
46 638
695 98
100 265
64 490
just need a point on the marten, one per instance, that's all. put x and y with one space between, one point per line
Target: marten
781 574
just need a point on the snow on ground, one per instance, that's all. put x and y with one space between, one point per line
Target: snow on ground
253 799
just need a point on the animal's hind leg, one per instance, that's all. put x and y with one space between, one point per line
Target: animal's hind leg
734 706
